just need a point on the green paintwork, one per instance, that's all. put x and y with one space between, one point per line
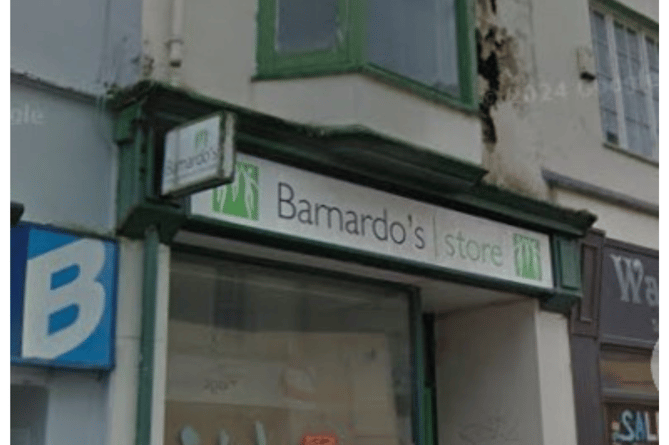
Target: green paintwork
527 257
351 56
466 14
427 92
566 275
269 60
148 327
241 198
418 352
352 153
567 263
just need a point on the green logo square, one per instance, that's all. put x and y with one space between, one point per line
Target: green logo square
527 257
241 197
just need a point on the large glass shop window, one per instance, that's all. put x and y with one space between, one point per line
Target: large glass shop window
260 356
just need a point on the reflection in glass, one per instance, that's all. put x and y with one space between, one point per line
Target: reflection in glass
296 354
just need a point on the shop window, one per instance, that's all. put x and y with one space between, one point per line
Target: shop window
258 355
424 45
630 396
627 55
28 414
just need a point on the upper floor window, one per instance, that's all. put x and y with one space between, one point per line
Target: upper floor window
628 83
424 45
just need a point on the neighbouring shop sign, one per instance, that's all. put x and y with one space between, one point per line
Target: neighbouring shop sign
199 155
290 201
63 291
633 424
629 295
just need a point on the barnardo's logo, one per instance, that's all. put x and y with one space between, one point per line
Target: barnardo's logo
241 197
527 257
201 140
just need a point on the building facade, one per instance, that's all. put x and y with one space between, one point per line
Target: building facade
402 257
68 353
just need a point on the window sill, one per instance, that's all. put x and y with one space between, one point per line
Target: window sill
379 74
621 150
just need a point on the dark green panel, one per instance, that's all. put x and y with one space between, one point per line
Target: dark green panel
568 263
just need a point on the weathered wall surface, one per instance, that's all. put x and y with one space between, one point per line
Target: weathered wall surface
62 160
78 44
537 113
506 67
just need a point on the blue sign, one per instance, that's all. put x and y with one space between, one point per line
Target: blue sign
63 298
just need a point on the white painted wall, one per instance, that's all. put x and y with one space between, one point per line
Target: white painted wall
160 347
619 223
571 138
488 384
555 379
79 44
123 381
62 162
75 404
220 61
504 376
549 117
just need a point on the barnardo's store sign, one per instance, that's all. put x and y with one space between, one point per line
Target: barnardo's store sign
290 201
63 293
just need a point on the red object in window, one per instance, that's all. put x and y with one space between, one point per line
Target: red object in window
319 439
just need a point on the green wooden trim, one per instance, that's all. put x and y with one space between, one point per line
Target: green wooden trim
626 13
419 88
350 153
271 61
224 229
418 351
430 385
466 15
567 263
358 13
351 55
147 343
566 253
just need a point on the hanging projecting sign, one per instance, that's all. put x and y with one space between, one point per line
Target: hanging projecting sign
290 201
63 292
199 155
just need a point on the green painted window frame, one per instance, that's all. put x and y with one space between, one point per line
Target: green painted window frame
350 54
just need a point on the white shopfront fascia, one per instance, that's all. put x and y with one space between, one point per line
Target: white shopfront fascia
289 201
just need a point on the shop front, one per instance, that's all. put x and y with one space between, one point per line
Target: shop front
63 299
614 339
301 301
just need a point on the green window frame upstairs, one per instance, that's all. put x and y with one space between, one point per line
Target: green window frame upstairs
426 47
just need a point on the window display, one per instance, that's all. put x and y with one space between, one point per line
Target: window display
263 356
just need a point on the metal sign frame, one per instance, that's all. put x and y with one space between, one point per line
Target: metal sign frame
225 170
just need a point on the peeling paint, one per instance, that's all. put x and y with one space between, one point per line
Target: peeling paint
504 53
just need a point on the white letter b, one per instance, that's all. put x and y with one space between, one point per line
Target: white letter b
41 301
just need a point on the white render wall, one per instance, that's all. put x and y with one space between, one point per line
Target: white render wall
220 61
123 382
619 223
503 376
63 163
555 379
